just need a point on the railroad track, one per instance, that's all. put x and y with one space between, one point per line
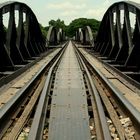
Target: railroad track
8 76
69 98
15 113
117 107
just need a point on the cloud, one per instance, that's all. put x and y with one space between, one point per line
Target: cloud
67 13
94 13
66 6
138 1
1 1
71 9
106 2
97 12
66 10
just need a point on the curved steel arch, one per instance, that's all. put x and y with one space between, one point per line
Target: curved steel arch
119 43
79 35
60 35
84 36
55 36
88 37
21 43
52 35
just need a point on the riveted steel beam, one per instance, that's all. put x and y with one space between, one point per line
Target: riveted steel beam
84 36
120 43
22 42
55 36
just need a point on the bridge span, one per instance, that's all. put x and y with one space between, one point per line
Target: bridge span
56 88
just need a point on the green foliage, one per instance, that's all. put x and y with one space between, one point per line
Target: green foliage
80 23
73 26
58 23
5 29
43 30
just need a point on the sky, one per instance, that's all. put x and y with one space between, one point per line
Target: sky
68 10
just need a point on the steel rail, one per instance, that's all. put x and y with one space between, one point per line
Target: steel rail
36 132
8 78
104 127
7 109
134 113
124 76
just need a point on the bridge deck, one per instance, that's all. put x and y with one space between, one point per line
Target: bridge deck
69 118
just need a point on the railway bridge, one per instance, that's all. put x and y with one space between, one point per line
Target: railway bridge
57 88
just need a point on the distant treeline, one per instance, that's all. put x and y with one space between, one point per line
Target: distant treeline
73 26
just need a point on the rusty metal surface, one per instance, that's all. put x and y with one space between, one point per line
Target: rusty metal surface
27 42
131 94
117 41
102 130
69 115
13 106
16 85
125 104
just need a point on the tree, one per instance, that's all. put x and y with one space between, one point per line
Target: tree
73 26
80 23
43 30
58 23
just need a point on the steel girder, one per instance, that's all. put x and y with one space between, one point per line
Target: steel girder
117 42
55 35
79 35
84 36
18 44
